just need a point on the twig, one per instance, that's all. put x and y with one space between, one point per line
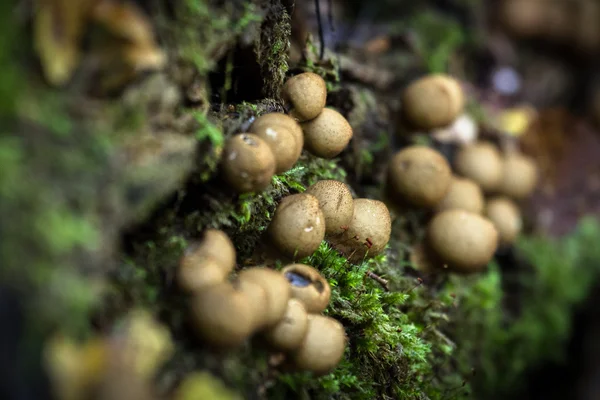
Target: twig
383 282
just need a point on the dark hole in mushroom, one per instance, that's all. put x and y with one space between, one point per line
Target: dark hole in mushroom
297 279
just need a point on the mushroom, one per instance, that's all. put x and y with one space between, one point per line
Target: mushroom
306 93
465 242
276 287
335 200
323 345
368 233
464 130
506 217
216 244
248 163
419 176
222 315
282 142
433 101
288 334
463 194
327 135
482 163
298 225
257 299
309 286
279 119
196 272
519 176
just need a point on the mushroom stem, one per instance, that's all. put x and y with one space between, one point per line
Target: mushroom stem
383 282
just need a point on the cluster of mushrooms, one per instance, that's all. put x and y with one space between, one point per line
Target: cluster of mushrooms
282 307
473 201
274 141
357 228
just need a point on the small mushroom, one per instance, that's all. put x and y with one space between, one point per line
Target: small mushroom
248 163
506 217
482 163
335 200
519 176
288 334
279 119
216 244
323 346
465 242
327 135
368 233
257 299
306 93
282 143
276 287
298 225
433 101
308 286
419 176
222 315
197 272
463 194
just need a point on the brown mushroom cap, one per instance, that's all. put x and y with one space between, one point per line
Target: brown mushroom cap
276 287
327 135
335 200
323 346
248 163
506 217
464 241
216 244
368 232
307 93
288 334
298 225
257 299
308 286
433 101
519 176
222 315
195 273
279 119
463 194
419 176
482 163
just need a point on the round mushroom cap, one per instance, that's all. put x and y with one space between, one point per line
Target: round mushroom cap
307 94
327 135
216 244
221 315
298 225
368 233
482 163
419 176
257 299
463 194
288 334
433 101
248 163
308 286
519 176
464 241
195 273
276 287
335 200
280 119
506 217
323 346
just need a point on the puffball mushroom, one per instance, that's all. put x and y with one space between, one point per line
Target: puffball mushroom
327 135
519 176
195 273
276 287
308 286
248 163
216 244
433 101
462 240
222 315
298 225
482 163
368 233
279 119
419 176
336 202
323 345
282 143
288 334
257 299
506 217
463 194
307 95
